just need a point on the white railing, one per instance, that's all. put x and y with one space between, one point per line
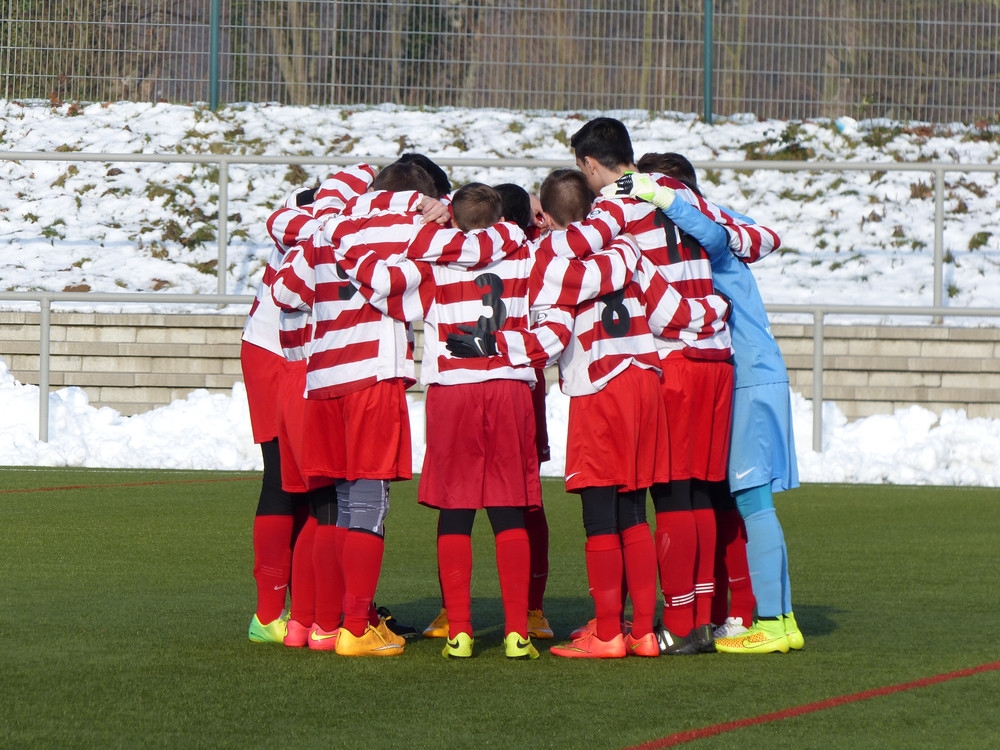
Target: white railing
818 313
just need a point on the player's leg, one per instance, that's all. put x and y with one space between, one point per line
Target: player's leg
704 574
605 568
639 556
766 555
454 553
273 528
513 568
676 552
537 527
328 576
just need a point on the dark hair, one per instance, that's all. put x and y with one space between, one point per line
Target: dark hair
399 177
476 206
516 204
606 140
566 196
672 165
442 185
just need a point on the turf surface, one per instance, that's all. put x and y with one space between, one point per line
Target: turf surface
126 596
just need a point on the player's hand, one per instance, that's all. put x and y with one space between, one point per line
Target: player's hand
475 342
646 188
433 210
620 188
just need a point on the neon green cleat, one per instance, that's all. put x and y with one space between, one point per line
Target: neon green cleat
795 638
517 647
459 647
273 632
765 637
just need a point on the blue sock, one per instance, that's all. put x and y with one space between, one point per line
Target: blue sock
766 551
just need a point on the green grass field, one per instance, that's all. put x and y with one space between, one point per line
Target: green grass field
126 597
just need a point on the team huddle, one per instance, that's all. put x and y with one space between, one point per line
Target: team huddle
619 272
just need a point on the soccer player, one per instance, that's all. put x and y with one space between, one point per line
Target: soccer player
358 363
762 455
694 348
480 450
283 522
609 367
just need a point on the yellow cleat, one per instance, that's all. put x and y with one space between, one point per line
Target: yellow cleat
273 632
459 647
369 643
439 626
538 625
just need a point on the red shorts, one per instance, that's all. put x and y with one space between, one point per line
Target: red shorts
618 436
376 428
698 395
262 373
481 450
307 462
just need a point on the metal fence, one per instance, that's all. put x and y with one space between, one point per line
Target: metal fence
923 60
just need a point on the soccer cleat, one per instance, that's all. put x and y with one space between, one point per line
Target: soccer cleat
795 639
645 646
459 647
704 636
439 626
592 647
591 627
675 645
406 631
297 634
385 630
369 643
273 632
517 647
324 640
538 625
733 626
765 637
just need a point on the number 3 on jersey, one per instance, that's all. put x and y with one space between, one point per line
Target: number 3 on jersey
492 286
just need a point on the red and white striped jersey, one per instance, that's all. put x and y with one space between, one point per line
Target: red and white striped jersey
353 344
594 332
474 279
287 226
692 313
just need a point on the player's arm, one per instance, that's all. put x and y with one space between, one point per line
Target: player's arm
294 284
540 346
399 288
669 313
570 281
473 249
339 188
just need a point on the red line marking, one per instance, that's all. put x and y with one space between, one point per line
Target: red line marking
690 735
125 484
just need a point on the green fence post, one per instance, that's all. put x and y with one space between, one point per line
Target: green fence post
709 43
213 58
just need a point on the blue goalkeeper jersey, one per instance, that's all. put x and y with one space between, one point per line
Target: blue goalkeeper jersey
757 357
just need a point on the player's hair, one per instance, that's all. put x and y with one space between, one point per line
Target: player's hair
606 140
400 177
672 165
476 206
442 185
565 196
516 204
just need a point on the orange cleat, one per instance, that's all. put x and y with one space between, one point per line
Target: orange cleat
592 647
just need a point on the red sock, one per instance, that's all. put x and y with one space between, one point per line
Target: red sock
272 564
362 565
704 588
604 573
455 572
514 569
639 553
676 550
538 539
329 577
303 575
737 571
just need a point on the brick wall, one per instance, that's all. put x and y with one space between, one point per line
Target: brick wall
135 362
